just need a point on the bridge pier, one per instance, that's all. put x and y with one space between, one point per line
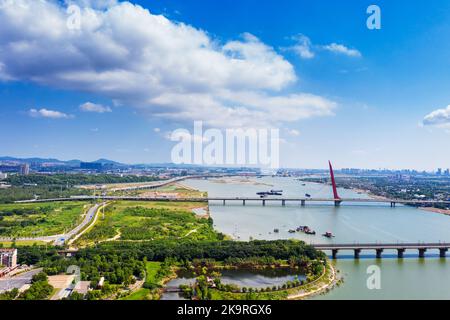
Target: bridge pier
443 252
337 203
243 202
283 203
264 203
400 253
393 204
422 252
223 202
379 252
334 253
357 253
303 203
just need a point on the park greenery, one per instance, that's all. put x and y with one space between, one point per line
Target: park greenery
156 273
123 263
19 193
39 219
208 284
150 221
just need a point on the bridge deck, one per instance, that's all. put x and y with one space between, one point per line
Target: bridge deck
242 199
387 246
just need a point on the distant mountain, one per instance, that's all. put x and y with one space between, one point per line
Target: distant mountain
72 163
36 160
109 162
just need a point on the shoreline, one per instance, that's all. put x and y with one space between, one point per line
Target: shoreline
330 283
435 210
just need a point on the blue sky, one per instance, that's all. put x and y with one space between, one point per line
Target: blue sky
360 97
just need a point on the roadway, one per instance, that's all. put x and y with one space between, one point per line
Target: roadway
8 283
62 238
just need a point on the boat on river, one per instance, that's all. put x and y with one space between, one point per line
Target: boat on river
270 193
328 235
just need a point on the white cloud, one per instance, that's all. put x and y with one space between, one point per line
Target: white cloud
341 49
97 4
303 47
293 132
157 130
45 113
93 107
160 67
439 118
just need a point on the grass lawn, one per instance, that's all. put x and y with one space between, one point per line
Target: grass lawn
152 278
134 221
151 271
27 243
141 294
39 219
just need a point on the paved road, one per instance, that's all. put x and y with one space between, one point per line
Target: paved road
89 216
9 283
60 239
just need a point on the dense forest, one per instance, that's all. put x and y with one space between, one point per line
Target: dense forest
218 250
14 193
180 250
75 179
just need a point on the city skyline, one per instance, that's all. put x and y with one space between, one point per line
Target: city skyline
78 163
335 89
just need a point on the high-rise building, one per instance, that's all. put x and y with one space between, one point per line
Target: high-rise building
3 176
25 169
439 172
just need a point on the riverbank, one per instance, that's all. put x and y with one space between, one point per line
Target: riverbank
324 284
436 210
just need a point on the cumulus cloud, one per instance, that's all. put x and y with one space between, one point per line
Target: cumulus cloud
439 118
93 107
160 67
45 113
341 49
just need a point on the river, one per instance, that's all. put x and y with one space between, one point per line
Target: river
410 278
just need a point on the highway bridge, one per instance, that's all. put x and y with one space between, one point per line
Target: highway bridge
245 200
421 247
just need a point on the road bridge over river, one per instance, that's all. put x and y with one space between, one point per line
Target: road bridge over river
421 247
246 200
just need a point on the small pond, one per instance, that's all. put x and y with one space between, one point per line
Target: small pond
242 278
